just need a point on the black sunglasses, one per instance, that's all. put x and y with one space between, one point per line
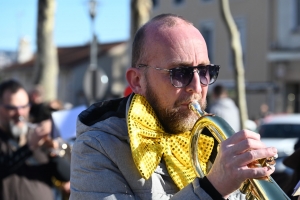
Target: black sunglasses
182 76
10 107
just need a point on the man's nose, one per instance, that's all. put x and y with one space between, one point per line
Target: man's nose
195 84
21 111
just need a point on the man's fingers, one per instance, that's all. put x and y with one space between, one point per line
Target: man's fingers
253 155
242 135
41 132
246 145
258 172
41 142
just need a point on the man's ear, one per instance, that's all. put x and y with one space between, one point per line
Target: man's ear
134 79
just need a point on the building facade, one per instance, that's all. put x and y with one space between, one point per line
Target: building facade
270 38
74 84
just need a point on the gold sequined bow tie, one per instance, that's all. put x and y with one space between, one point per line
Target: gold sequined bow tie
149 143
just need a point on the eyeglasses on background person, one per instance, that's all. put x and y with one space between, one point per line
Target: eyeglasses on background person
182 76
11 107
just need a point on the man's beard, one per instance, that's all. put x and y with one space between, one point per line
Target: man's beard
16 130
173 120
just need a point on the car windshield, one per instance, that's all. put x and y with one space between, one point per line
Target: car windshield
280 131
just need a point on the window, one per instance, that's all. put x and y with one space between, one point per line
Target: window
178 1
297 14
155 3
280 131
207 32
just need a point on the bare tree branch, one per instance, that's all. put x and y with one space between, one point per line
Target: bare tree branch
238 60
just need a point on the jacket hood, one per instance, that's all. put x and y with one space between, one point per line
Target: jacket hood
107 116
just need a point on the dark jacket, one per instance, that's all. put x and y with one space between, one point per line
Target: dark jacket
27 175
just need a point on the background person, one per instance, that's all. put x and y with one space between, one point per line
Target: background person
26 167
137 147
293 162
224 107
41 110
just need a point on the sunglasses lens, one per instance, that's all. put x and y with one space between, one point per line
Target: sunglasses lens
213 73
182 76
204 78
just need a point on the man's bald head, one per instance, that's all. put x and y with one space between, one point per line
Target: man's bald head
156 24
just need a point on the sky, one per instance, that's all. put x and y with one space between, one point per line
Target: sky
73 25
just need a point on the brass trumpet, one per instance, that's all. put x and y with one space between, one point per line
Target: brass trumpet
254 189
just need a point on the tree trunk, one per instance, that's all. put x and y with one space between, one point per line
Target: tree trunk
140 14
238 60
46 65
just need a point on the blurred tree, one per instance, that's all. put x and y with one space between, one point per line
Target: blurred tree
46 65
140 14
238 60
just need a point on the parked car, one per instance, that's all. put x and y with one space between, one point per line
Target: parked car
283 132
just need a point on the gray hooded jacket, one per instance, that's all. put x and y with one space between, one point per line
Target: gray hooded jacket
102 166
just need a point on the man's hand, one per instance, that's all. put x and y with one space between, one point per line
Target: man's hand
40 135
230 168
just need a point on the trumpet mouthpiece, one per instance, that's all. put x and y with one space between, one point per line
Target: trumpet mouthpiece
22 119
195 106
